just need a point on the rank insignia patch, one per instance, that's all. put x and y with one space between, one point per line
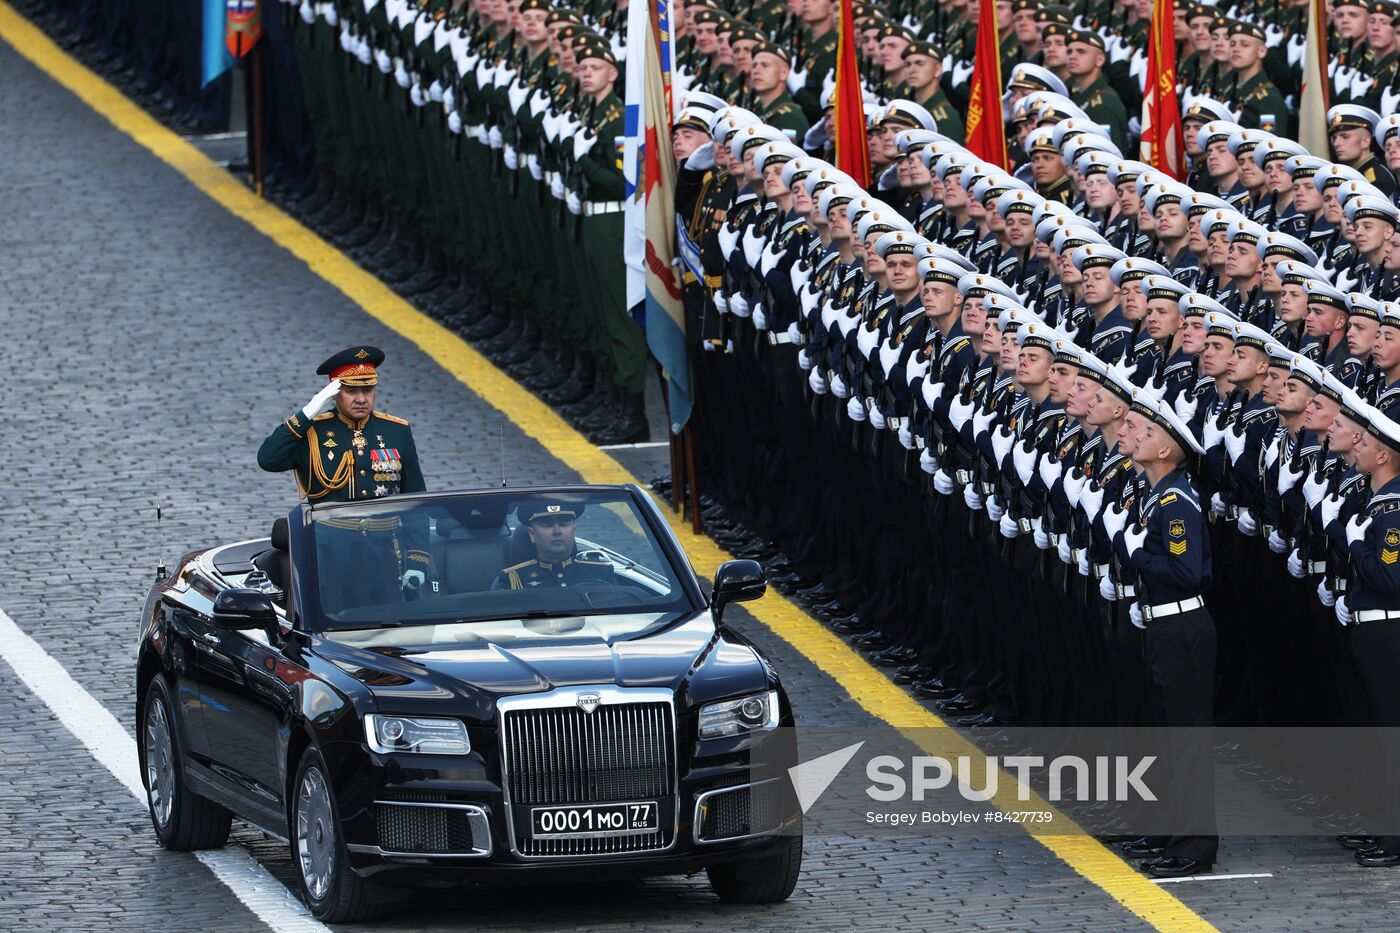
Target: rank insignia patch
1177 548
1392 537
1177 529
1389 556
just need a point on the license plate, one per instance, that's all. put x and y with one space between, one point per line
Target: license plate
593 821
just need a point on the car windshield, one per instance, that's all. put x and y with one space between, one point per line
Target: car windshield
488 556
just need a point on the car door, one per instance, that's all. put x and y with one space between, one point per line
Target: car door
248 705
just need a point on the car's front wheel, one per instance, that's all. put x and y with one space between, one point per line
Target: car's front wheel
331 888
766 881
182 820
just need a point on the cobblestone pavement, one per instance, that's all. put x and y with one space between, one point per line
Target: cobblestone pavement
153 340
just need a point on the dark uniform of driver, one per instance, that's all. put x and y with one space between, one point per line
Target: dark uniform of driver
558 562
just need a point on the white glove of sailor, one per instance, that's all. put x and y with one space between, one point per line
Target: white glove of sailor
1330 509
1114 520
1247 523
928 461
943 483
1296 570
1356 528
1064 551
1287 476
1002 440
855 408
1107 591
995 510
1091 500
1277 543
412 579
1185 407
323 401
959 412
1135 616
1133 536
1234 443
1314 489
1343 613
1010 528
971 498
1324 595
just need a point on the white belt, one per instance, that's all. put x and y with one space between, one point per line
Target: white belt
1075 553
1340 587
1126 591
603 207
777 337
1056 538
895 422
1162 610
962 477
1315 566
1101 571
1375 615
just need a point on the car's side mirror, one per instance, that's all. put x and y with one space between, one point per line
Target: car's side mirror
737 581
241 609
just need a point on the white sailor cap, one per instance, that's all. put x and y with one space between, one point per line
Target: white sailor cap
1133 269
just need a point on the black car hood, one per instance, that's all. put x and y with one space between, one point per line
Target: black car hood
411 671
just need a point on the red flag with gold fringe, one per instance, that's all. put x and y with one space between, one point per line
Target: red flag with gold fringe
986 128
848 120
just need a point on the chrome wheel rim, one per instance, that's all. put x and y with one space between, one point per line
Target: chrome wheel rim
315 833
160 762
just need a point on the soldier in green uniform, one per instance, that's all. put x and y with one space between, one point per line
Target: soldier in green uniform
1384 50
772 102
1087 55
340 449
818 56
1260 104
558 562
923 72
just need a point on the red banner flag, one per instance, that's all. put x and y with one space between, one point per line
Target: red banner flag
848 118
986 129
1163 145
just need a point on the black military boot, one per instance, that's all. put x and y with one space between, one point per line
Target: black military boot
600 416
630 426
578 384
558 367
506 338
525 347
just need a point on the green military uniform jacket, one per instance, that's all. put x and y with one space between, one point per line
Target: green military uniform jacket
1261 106
335 459
540 573
602 165
818 61
784 114
950 122
1103 105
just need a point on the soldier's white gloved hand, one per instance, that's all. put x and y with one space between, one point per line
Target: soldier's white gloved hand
1343 613
1296 570
933 394
1356 528
928 461
1247 523
1133 536
995 510
959 412
583 142
307 12
447 96
982 422
536 170
943 483
1324 595
401 77
1234 443
1002 440
1185 407
435 92
510 156
574 202
877 419
1074 483
412 579
971 498
1064 551
1210 433
496 141
454 122
363 52
1217 504
739 305
839 387
818 382
1107 590
906 436
1287 476
769 259
1083 566
1314 488
1023 459
1091 500
721 301
1114 520
1330 509
322 401
728 240
1049 469
855 408
753 245
1135 616
1040 535
330 13
556 185
1277 543
382 61
1010 528
796 79
760 316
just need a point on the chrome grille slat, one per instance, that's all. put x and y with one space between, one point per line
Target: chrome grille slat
558 754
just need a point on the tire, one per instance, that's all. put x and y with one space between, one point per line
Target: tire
183 820
769 880
331 889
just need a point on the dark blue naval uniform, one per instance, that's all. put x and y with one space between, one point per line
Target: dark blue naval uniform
583 567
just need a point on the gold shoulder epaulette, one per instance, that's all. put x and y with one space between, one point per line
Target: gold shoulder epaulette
395 419
324 415
520 566
592 563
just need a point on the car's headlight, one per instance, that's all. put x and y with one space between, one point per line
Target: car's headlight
426 736
757 713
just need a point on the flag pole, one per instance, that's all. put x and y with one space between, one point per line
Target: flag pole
255 121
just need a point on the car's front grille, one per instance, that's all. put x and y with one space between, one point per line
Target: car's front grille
425 829
619 752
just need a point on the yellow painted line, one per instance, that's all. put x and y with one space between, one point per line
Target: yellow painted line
866 685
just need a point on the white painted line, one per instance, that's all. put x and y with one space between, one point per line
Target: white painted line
641 446
109 743
215 137
1208 878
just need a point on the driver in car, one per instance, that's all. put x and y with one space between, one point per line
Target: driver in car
558 562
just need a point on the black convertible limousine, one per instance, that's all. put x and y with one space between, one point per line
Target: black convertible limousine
551 696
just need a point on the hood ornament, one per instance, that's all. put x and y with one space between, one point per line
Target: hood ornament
588 702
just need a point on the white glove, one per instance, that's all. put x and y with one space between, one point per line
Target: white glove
1065 553
382 61
1114 520
728 240
739 305
877 419
995 510
401 74
454 122
308 13
1002 440
959 412
1091 500
1314 489
1185 407
331 15
753 245
1040 536
1247 524
510 156
1287 476
556 186
1023 459
1234 443
769 259
1083 565
793 333
1296 570
323 401
982 421
497 141
796 79
1210 434
818 382
838 387
1074 483
1049 470
760 317
1277 543
943 483
412 579
1010 528
1217 504
970 496
1135 616
1343 613
721 302
435 93
1356 528
928 462
1330 508
1324 595
574 202
855 408
1107 590
906 437
934 392
583 142
1133 536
